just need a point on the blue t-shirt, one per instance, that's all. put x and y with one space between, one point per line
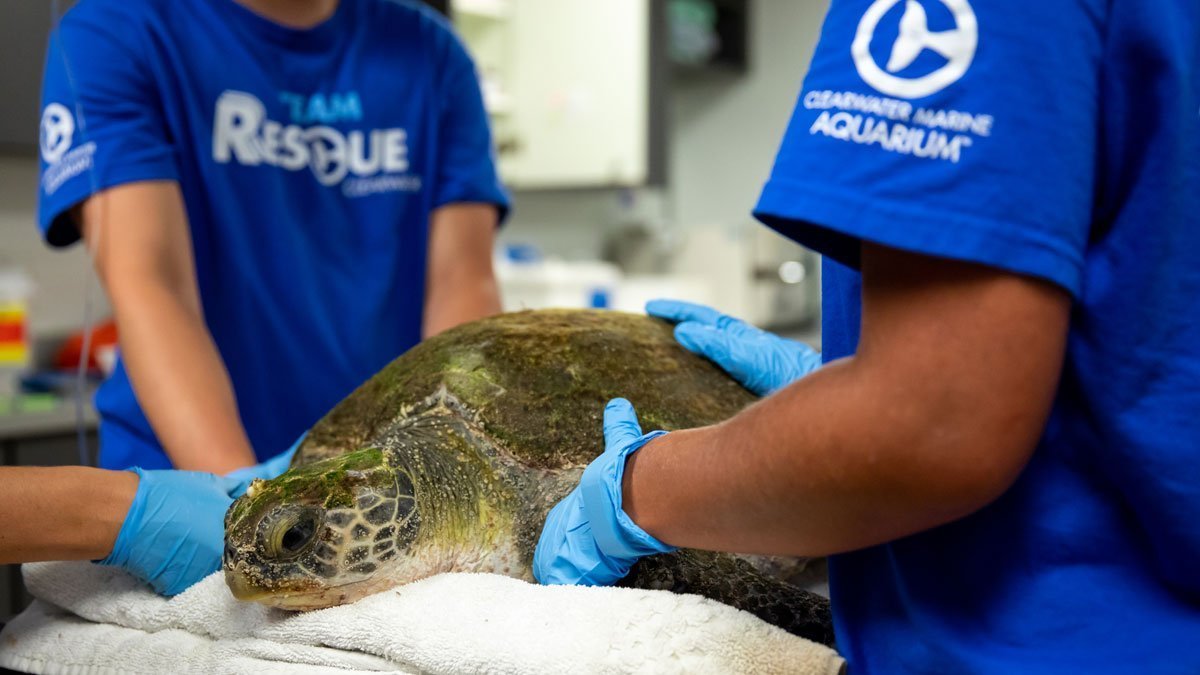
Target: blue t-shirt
1058 140
309 162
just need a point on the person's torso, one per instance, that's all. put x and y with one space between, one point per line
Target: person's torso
306 162
1091 559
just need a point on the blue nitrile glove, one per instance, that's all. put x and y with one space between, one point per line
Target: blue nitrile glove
587 538
763 362
267 470
174 532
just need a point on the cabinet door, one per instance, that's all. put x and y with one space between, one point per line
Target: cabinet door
568 83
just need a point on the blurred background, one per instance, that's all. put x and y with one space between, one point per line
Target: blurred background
634 136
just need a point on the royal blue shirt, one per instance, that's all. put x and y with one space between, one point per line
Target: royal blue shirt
1060 141
309 163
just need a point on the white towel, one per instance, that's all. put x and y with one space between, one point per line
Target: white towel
92 619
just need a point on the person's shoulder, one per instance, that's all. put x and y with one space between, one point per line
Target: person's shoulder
124 23
110 30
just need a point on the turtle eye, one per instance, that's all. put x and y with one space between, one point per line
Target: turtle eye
297 536
292 532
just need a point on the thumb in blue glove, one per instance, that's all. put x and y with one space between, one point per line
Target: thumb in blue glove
272 468
588 539
174 532
763 362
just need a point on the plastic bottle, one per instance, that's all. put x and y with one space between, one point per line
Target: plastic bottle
15 290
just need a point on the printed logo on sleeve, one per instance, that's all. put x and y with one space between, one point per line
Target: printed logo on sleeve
899 55
956 46
62 161
58 129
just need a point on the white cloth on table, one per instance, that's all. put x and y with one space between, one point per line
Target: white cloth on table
90 619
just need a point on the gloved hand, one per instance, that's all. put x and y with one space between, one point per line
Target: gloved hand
587 538
763 362
174 532
267 470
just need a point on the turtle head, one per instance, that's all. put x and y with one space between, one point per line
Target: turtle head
319 535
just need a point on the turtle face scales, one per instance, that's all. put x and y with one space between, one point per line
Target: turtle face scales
324 534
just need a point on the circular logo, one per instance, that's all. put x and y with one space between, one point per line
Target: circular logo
329 156
58 128
957 46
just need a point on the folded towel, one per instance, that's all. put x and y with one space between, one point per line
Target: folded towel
92 619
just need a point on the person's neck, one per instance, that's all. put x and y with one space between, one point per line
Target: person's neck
292 13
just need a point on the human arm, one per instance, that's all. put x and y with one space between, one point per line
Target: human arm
61 513
469 201
461 285
139 240
164 527
943 403
933 418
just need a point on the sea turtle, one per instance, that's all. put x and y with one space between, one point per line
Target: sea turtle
450 458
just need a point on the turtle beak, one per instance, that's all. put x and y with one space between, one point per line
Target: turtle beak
242 588
235 576
239 584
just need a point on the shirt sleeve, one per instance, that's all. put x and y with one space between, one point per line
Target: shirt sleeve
466 157
955 128
102 123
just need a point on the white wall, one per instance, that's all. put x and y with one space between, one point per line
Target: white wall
724 133
726 130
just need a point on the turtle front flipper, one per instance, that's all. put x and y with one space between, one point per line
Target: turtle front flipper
735 582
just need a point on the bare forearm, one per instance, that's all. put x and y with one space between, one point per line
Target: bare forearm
148 270
461 302
62 513
462 284
934 417
818 469
181 382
